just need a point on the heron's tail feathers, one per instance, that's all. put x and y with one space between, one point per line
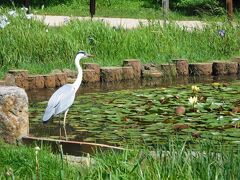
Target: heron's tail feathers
47 115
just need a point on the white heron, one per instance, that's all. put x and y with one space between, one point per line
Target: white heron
64 97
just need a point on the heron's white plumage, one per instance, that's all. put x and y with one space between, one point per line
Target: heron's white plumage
64 97
60 101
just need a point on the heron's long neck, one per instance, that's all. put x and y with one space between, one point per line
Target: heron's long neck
78 81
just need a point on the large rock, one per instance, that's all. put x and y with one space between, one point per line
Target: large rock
14 121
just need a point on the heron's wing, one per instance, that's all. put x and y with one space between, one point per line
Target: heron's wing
60 101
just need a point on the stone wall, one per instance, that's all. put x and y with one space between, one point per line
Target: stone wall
14 121
132 69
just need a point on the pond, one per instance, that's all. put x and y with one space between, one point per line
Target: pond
147 115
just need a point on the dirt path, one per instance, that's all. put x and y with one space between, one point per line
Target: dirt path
116 22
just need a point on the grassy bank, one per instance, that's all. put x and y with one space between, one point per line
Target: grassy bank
171 161
26 44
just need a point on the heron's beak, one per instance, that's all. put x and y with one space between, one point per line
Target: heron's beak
90 55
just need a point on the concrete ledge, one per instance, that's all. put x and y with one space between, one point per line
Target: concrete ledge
168 69
49 81
127 73
109 74
60 79
198 69
224 68
36 82
90 75
132 70
136 65
181 67
21 78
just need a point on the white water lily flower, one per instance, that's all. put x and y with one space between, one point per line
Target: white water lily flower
193 100
195 89
12 13
29 16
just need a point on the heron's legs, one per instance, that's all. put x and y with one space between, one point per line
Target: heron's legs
64 120
65 133
64 124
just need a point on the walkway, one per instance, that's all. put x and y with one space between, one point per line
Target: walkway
115 22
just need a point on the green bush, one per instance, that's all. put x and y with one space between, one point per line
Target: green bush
199 7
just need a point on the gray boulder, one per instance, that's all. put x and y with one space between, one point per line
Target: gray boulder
14 121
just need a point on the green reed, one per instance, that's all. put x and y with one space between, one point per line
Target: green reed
27 44
172 160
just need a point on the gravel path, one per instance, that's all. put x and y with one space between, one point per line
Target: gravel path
115 22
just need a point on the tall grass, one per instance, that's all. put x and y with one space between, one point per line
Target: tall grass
28 44
173 160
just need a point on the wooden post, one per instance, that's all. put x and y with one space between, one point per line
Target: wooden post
229 4
92 8
165 6
26 4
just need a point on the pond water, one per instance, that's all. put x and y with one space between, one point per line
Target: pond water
146 113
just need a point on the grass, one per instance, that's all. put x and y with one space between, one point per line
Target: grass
110 8
171 161
27 44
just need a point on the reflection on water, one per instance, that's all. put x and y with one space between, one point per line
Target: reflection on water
44 94
143 112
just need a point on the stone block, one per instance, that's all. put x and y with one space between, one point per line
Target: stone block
90 75
237 60
49 81
14 122
168 69
127 73
224 68
60 79
92 66
199 69
70 73
9 79
181 67
36 82
136 65
108 74
151 74
21 78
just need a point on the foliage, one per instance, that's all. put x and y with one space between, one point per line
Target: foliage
149 115
173 160
191 7
26 44
200 7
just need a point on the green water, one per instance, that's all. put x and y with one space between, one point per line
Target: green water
148 115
